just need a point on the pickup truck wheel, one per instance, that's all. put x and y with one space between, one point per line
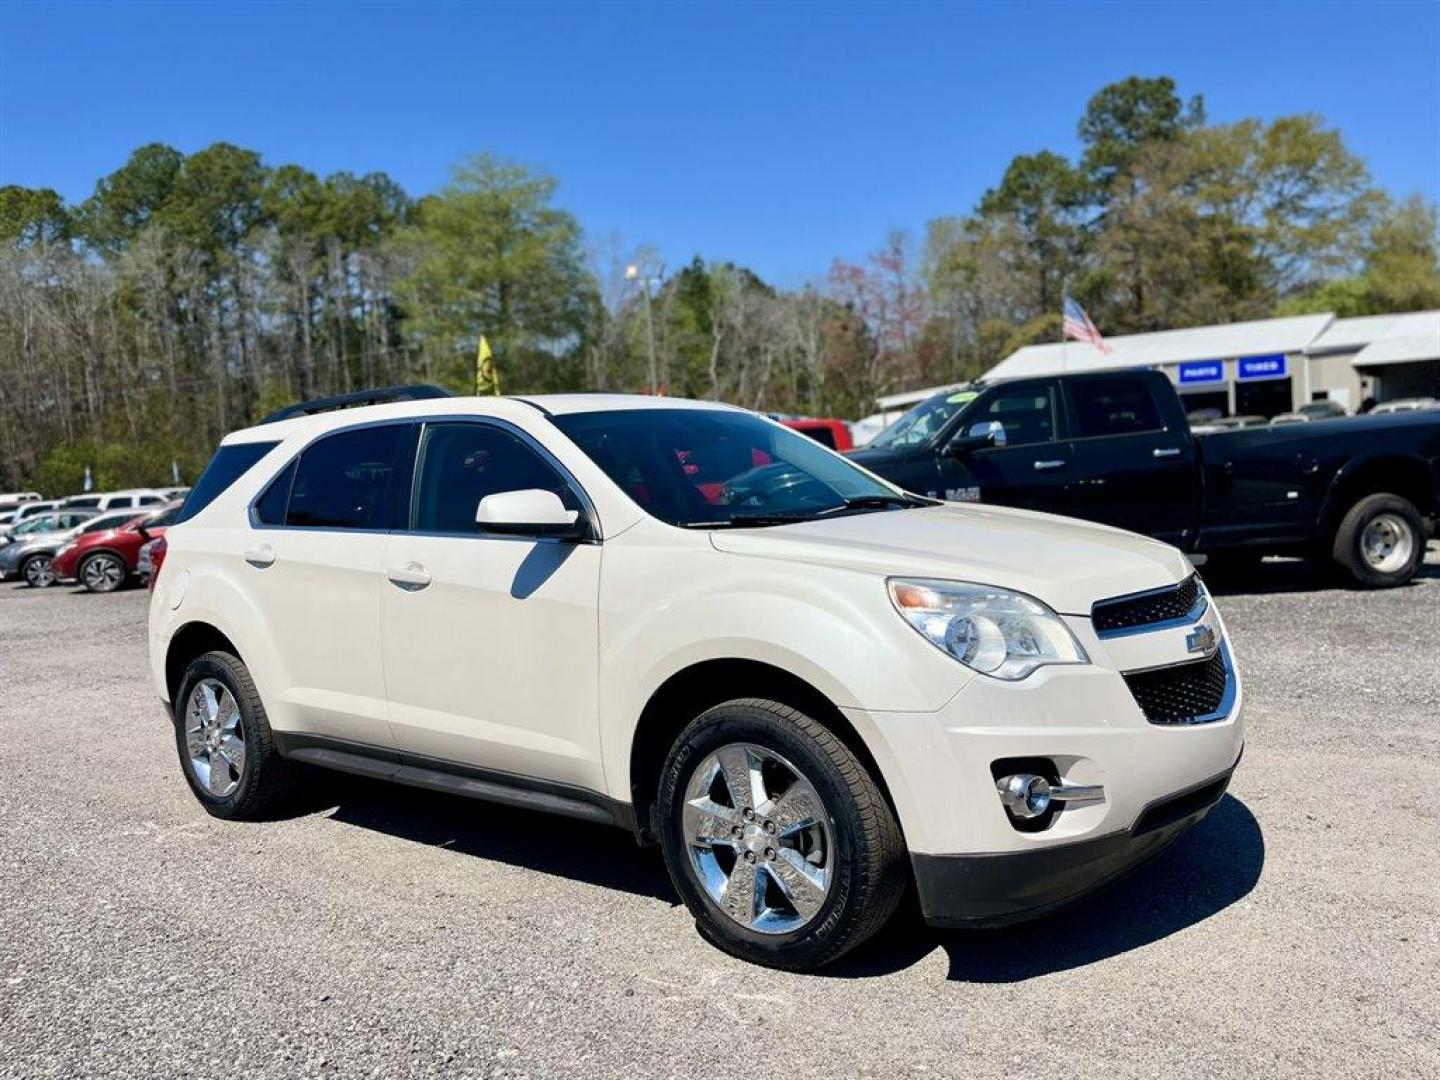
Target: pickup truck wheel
1380 542
777 838
227 750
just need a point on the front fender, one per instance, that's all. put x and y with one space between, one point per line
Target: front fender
833 628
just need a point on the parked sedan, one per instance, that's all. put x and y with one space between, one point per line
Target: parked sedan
30 527
30 556
104 560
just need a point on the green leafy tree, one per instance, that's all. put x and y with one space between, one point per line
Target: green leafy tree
125 201
491 254
1126 116
31 217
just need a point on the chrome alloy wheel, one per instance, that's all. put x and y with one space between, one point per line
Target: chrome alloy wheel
1387 543
214 739
103 573
38 573
759 838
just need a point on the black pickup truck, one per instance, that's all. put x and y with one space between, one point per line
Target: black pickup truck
1114 447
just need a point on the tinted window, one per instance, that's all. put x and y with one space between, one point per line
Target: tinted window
460 464
108 521
1026 412
712 467
270 507
1115 406
89 502
823 435
343 481
163 518
150 500
227 466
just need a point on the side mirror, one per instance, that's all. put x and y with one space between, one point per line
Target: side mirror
981 435
530 512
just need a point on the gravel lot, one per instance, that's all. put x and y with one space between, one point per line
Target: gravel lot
387 932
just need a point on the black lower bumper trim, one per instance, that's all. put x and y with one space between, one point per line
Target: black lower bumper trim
993 890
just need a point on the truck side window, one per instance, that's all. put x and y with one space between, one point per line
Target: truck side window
1120 405
1027 412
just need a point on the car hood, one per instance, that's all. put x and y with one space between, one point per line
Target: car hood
1066 563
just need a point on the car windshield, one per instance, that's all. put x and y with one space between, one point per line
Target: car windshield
924 421
48 523
713 468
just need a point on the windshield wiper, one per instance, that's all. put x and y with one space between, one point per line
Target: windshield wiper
747 521
874 502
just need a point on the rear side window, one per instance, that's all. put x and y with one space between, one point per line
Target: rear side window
87 503
270 508
227 466
460 464
1113 406
348 480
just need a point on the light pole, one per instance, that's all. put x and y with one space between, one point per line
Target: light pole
632 273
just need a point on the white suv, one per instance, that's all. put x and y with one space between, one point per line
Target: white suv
810 687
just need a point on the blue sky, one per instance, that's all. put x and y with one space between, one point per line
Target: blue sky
779 135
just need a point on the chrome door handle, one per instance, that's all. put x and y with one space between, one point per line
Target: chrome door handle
1041 466
410 577
1165 451
260 557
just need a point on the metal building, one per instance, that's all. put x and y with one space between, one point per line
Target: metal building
1268 366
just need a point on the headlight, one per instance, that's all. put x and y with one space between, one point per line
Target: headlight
993 631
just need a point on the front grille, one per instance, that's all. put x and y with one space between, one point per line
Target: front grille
1183 694
1145 609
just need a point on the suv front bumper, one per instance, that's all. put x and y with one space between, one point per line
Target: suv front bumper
1006 887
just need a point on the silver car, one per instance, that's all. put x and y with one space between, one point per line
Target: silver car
29 554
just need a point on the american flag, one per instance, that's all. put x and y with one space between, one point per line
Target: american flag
1077 326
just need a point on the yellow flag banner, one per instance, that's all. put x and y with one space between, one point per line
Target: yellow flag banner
487 375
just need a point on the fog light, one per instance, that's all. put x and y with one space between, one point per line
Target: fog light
1024 795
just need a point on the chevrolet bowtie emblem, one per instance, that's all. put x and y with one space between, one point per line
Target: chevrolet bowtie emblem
1200 640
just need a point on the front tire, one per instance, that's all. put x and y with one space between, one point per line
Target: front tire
1380 542
227 750
103 572
778 839
37 572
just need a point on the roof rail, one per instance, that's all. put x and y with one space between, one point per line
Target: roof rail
418 392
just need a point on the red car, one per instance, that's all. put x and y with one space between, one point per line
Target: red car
103 561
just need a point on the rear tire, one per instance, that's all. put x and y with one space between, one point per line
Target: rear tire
806 893
227 750
1380 542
